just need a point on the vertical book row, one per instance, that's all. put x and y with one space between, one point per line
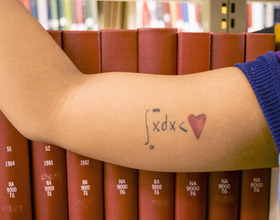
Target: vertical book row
43 181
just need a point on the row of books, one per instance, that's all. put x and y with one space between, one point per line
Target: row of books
94 15
65 185
262 15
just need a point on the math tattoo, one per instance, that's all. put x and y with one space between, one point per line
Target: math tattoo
196 123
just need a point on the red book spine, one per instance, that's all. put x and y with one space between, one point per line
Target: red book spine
194 50
254 197
255 188
49 185
119 50
223 195
120 192
156 195
119 53
84 175
258 44
157 54
227 49
223 187
157 51
190 196
15 182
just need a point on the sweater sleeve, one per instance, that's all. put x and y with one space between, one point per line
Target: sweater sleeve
264 76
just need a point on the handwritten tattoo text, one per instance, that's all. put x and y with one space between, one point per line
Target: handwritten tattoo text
196 123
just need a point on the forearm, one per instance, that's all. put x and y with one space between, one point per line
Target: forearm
141 121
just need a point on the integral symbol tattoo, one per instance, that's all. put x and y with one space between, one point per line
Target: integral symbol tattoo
196 122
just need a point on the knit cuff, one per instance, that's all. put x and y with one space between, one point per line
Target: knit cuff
264 77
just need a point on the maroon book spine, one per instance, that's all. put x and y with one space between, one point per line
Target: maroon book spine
255 185
156 195
223 195
223 187
120 192
254 198
157 54
49 185
190 196
119 53
84 175
194 52
258 44
15 181
157 51
227 49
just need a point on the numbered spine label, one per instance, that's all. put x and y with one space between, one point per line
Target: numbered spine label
122 186
156 187
192 188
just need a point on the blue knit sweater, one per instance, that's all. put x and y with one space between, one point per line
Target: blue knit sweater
264 77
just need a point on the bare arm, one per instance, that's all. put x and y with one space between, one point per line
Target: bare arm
203 122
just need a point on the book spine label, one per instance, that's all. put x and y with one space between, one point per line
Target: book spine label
49 181
85 187
254 198
223 195
120 192
15 184
190 196
156 195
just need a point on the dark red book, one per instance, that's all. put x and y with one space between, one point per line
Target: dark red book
227 49
157 54
190 196
15 182
258 44
120 192
49 183
119 53
84 175
157 51
194 51
156 195
255 185
223 187
254 198
223 195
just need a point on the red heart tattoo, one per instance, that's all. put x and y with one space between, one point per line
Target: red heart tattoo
197 123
